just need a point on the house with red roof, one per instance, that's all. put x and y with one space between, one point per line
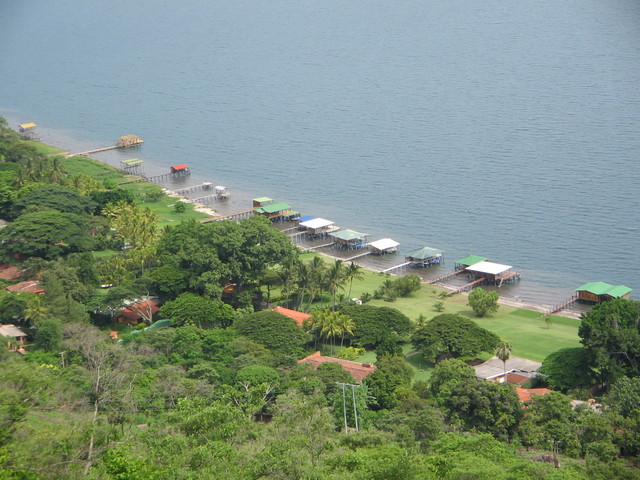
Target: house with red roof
299 317
357 370
526 394
31 286
9 272
138 312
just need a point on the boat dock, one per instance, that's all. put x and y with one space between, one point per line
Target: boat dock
230 216
396 267
194 188
468 286
444 277
561 306
360 255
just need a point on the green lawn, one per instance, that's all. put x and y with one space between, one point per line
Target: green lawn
42 148
525 330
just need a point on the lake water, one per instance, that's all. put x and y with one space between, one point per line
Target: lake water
509 130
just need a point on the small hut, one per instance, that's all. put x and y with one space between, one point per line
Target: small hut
180 169
276 211
28 131
319 227
424 257
133 165
261 201
11 331
597 292
221 192
467 261
384 246
348 239
493 273
126 141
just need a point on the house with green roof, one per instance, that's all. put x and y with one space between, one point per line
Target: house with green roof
424 257
276 211
600 291
467 261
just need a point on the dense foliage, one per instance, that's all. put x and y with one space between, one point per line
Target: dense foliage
210 386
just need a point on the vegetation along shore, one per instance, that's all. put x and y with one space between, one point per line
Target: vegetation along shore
142 339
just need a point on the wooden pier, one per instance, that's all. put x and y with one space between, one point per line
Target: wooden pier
91 152
193 188
360 255
315 247
125 141
230 216
444 277
165 176
468 286
396 267
562 306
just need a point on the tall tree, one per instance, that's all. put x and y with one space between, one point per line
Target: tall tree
483 302
455 335
611 334
503 352
353 272
335 279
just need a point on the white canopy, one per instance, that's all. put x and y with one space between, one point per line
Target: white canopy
489 267
316 223
384 244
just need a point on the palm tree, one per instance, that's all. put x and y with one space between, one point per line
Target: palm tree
503 352
36 310
353 272
335 279
346 325
316 272
56 173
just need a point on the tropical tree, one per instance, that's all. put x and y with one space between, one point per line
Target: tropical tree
317 272
454 335
36 311
335 279
483 302
133 223
503 352
353 272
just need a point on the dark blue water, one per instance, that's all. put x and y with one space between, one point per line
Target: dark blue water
504 129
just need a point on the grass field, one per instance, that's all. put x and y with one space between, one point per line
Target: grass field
526 330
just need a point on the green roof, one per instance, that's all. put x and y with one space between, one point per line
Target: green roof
133 161
273 207
348 234
602 288
424 253
471 260
263 199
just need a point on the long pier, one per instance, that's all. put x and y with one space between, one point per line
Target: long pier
315 247
165 176
396 267
561 306
468 286
193 188
91 152
444 277
230 216
360 255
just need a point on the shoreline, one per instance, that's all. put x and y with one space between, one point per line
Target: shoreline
210 211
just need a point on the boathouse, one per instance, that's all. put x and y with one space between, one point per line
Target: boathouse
467 261
276 211
424 257
493 273
132 165
180 169
221 191
348 239
383 246
319 227
261 201
597 292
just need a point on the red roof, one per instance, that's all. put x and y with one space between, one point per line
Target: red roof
177 168
299 317
32 286
525 394
357 370
132 312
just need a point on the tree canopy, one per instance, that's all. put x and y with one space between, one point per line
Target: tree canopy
455 335
377 325
611 334
273 330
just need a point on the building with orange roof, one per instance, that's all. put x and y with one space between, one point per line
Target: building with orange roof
299 317
138 312
526 394
31 286
357 370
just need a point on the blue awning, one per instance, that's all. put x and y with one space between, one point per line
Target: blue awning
305 219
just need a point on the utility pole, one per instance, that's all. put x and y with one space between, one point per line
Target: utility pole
344 404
